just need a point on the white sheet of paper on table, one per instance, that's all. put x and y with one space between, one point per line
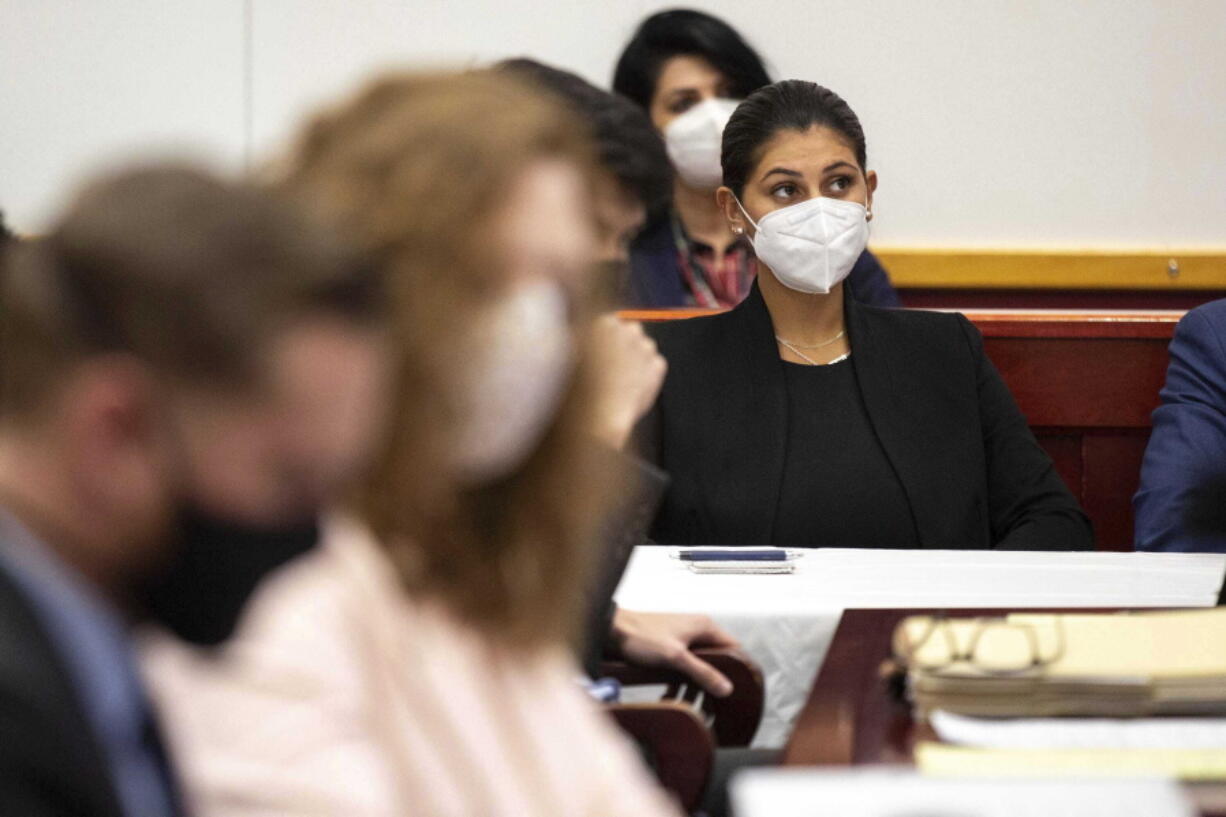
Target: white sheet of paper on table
1081 733
887 793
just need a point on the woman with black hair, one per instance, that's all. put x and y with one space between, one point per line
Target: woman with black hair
805 418
689 70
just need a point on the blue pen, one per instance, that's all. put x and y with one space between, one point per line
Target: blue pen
756 555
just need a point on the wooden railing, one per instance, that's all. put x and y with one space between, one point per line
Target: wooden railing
1166 278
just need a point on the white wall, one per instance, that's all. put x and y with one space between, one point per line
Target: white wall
997 123
85 83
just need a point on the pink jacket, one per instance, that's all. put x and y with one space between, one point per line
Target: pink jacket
341 696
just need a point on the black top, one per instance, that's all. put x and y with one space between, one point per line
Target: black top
838 489
972 472
624 527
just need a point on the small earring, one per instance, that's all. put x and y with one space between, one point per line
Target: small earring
737 230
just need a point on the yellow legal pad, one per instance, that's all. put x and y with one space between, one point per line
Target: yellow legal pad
1186 764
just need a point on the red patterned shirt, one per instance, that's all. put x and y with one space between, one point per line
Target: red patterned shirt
712 282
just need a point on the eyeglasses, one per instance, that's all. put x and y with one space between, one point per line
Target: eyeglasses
993 646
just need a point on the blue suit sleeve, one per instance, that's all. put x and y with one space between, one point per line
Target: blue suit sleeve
1185 461
869 283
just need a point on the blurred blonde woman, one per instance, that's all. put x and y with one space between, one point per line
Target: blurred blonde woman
418 662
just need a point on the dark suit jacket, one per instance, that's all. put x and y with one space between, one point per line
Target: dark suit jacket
50 764
655 280
624 528
973 474
1181 504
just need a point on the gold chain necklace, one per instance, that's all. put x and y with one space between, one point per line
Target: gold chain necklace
824 343
796 347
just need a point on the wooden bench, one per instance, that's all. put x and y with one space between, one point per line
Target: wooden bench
1087 382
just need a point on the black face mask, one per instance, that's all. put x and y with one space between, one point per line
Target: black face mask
200 592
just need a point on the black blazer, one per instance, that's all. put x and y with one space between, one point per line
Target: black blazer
625 527
50 764
973 473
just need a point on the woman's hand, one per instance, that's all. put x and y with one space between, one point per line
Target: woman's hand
629 373
667 640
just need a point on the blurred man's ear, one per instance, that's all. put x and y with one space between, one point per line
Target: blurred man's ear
111 416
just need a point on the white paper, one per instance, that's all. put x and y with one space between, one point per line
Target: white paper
886 793
1081 733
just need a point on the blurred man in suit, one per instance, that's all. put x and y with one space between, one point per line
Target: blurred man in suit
181 356
635 185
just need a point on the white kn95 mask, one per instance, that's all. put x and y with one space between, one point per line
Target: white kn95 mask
811 246
693 141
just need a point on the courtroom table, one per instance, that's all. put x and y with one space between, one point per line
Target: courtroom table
1087 382
855 715
785 623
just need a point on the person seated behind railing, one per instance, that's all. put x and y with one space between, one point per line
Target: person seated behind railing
803 417
1181 502
688 70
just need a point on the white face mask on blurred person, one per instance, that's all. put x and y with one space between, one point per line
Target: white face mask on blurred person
811 246
513 381
693 141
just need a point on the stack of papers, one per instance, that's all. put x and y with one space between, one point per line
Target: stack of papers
1040 665
1081 733
1194 765
1186 748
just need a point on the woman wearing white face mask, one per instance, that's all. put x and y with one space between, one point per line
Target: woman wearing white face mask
418 663
689 70
805 418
